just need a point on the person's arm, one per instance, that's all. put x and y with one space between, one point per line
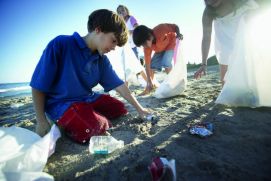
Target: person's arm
126 94
134 24
207 34
43 125
147 56
207 21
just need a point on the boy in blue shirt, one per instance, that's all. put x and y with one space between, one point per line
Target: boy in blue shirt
69 68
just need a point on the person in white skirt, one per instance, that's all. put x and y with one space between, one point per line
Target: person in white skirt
225 16
244 60
131 24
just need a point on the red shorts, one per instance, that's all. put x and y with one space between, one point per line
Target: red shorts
83 120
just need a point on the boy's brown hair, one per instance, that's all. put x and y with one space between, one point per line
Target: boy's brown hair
108 21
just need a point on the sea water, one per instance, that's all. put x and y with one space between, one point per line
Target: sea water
14 89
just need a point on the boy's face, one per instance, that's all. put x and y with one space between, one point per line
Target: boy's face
106 42
148 43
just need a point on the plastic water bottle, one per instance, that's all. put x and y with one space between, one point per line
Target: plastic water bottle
149 117
104 144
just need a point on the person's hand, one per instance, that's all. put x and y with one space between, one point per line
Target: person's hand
179 36
143 113
148 89
200 72
42 127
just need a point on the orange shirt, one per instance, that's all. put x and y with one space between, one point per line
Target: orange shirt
165 35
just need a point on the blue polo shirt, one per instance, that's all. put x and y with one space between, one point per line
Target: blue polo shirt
68 70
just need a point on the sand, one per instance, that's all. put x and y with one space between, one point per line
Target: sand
239 149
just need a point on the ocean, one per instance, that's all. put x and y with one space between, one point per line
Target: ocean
15 89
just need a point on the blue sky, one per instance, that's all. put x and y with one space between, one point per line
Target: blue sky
28 25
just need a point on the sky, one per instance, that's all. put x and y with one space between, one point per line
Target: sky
28 25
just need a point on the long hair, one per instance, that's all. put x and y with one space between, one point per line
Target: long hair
123 7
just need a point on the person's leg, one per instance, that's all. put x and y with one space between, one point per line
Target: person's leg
142 61
223 70
156 65
109 107
156 61
135 52
80 122
166 60
143 74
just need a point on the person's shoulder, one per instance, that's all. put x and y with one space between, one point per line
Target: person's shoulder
158 27
132 17
164 27
208 15
64 38
60 40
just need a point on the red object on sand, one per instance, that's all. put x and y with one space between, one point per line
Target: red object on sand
156 168
83 120
161 168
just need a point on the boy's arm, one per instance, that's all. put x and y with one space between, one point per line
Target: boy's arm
126 94
43 125
147 56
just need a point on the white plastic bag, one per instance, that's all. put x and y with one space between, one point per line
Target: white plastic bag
248 79
176 81
125 63
23 153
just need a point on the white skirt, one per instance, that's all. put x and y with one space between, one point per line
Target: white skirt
225 29
248 79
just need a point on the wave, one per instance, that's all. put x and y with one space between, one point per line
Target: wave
21 88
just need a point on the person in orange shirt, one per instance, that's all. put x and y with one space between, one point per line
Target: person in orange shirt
162 40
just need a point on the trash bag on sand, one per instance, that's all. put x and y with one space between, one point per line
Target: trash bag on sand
23 153
176 81
248 79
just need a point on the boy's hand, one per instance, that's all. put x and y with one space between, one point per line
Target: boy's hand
200 72
179 36
42 127
148 89
143 113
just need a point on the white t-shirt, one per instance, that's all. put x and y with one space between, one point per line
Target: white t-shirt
130 25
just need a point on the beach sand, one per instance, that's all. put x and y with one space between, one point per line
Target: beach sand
239 149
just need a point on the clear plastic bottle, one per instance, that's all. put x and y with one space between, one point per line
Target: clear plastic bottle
104 144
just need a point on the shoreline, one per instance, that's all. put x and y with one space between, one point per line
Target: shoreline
239 149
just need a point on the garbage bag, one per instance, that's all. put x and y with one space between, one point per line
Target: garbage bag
125 63
23 153
176 81
248 79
